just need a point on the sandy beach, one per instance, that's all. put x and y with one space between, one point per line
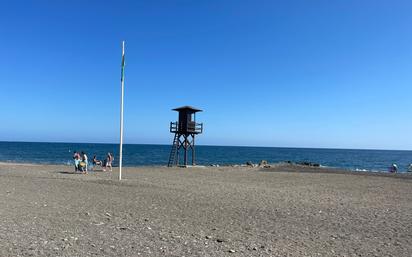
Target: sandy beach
45 210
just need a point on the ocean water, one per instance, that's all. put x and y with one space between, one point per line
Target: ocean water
141 155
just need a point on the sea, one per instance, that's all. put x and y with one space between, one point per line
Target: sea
157 155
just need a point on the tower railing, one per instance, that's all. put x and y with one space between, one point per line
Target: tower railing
192 127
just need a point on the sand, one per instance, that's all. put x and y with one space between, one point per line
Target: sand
46 210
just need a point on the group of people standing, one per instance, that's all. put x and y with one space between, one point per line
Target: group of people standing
81 162
394 168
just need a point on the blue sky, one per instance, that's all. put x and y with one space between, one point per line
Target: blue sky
332 74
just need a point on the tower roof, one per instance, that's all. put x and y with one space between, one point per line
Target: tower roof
187 107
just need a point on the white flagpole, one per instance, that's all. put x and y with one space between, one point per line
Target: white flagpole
121 116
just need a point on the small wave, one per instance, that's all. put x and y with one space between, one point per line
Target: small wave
366 170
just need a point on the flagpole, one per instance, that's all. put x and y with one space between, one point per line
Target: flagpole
121 116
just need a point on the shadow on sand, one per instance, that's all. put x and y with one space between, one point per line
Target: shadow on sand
77 172
69 172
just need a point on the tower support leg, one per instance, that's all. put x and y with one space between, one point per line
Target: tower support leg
185 149
178 150
193 150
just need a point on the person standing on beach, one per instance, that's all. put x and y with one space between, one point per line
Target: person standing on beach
108 162
76 157
84 159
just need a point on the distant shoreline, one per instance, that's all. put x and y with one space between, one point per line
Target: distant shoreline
158 155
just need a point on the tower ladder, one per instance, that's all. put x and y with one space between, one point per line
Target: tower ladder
173 151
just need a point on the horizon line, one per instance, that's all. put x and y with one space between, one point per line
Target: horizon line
290 147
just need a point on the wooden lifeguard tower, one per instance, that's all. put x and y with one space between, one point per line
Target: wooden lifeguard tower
185 130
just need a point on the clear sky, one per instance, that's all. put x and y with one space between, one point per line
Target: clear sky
267 73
